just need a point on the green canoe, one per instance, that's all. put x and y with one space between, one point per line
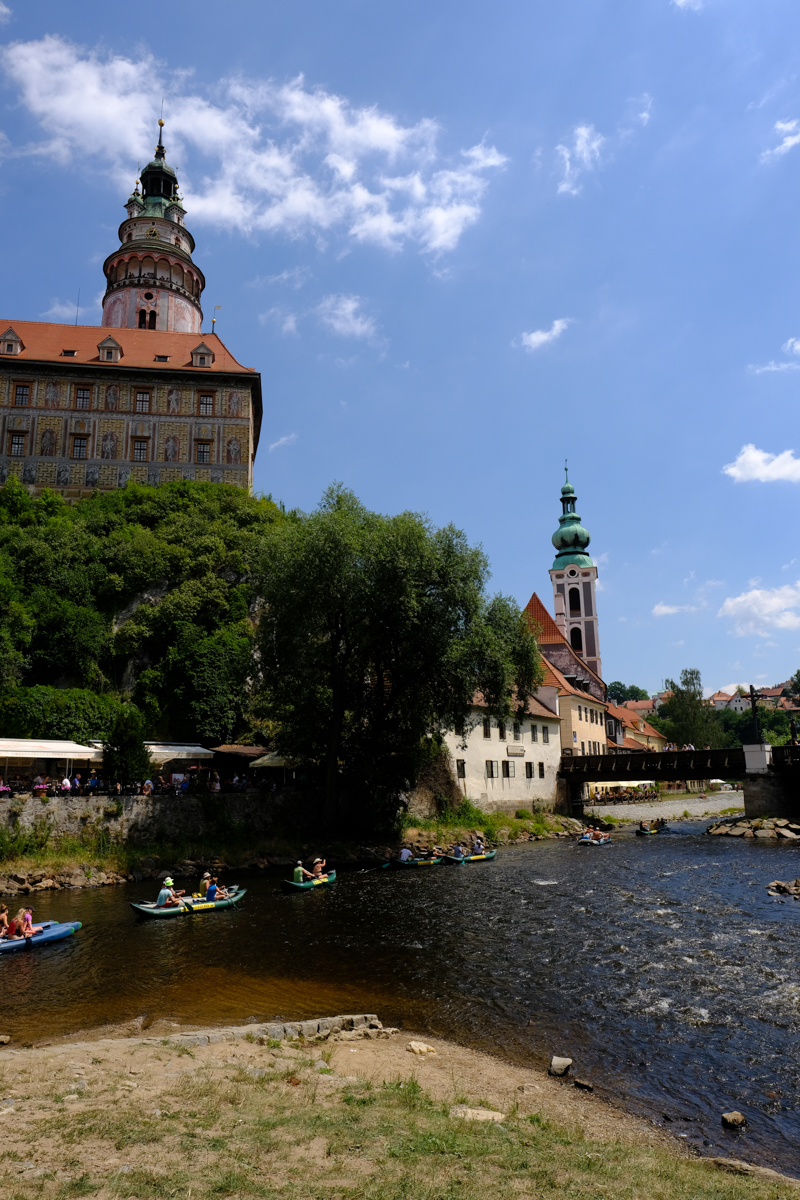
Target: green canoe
308 885
469 858
416 862
149 908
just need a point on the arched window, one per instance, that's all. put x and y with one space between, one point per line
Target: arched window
142 319
576 640
152 320
574 602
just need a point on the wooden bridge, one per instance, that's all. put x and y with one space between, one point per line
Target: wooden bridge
666 765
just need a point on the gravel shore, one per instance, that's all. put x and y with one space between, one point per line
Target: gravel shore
712 806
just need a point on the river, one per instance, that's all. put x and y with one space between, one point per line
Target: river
658 964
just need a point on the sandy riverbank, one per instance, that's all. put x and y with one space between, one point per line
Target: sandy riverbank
669 808
149 1117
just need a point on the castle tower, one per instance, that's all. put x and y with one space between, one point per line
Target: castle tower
152 282
574 578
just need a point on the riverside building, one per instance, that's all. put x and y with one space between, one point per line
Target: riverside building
146 396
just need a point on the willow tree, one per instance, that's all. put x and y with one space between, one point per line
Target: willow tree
375 634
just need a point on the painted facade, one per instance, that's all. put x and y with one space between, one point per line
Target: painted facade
164 406
574 579
146 396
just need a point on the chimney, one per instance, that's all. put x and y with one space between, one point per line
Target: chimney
561 616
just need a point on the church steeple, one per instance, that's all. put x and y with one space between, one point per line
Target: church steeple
574 579
152 282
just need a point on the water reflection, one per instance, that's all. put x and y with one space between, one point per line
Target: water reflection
658 964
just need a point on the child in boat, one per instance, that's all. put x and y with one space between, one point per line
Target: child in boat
28 927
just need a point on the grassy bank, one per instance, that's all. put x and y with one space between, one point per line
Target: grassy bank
134 1120
455 824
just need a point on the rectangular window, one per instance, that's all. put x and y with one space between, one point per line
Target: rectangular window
79 447
459 729
516 731
109 355
201 358
591 716
541 770
82 397
9 347
69 353
580 712
529 770
143 402
487 727
583 747
534 733
491 769
205 407
21 395
16 446
574 738
461 768
203 452
140 450
501 730
508 769
545 734
162 358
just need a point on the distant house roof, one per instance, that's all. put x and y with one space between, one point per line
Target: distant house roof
632 744
631 722
640 705
774 691
721 696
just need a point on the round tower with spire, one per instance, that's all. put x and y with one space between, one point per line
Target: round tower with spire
574 579
151 281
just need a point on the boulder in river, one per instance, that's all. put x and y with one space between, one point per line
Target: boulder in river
559 1066
734 1120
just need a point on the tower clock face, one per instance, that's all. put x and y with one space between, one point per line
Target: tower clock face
152 232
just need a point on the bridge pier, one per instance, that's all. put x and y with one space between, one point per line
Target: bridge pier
769 792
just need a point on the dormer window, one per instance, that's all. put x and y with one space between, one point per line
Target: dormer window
202 356
68 353
109 350
10 342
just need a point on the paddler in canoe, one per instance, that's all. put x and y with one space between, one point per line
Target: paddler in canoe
168 897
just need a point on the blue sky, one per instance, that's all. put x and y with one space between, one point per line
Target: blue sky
463 242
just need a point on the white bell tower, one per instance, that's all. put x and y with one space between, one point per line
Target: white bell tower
574 579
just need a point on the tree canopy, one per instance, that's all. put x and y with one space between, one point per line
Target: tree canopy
620 692
375 634
144 593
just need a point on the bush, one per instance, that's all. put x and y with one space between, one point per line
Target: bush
72 714
522 814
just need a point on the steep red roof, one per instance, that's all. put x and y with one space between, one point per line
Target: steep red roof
534 708
45 342
548 634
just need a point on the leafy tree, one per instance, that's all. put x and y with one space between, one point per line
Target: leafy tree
684 719
126 759
375 634
794 685
620 692
773 724
74 714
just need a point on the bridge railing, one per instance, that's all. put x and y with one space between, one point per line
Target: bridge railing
668 764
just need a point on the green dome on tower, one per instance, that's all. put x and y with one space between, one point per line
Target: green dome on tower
570 539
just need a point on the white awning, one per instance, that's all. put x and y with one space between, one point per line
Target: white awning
269 760
35 748
162 752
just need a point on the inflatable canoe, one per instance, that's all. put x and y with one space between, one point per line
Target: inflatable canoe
308 885
416 862
646 832
52 931
487 856
149 908
591 842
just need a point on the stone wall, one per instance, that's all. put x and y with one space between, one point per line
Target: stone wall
144 818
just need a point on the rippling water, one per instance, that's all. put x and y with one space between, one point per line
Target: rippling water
658 964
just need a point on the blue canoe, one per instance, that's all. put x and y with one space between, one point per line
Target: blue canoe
52 931
469 858
591 842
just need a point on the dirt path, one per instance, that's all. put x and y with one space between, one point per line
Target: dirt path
669 808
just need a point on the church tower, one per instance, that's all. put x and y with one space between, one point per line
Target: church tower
574 578
152 282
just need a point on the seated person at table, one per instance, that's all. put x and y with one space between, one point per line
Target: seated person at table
168 897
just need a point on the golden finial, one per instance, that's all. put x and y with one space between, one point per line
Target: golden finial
161 122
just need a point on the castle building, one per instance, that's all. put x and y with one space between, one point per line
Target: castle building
574 579
147 396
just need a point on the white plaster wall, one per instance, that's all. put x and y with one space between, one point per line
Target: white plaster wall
501 793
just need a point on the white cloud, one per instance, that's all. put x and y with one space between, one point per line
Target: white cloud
64 311
792 346
753 464
286 320
791 138
774 366
694 5
763 609
542 337
583 155
342 314
668 610
5 13
289 440
254 155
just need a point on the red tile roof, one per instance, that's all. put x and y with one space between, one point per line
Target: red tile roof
44 342
534 708
548 634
